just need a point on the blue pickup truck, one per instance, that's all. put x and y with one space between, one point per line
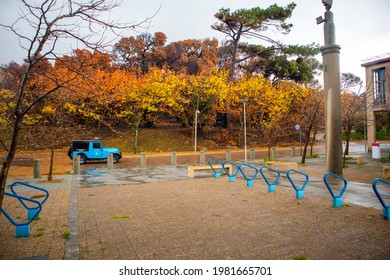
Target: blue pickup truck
90 150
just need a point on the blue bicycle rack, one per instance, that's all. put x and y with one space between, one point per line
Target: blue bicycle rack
337 200
30 210
22 229
386 208
232 174
299 192
249 180
212 162
271 186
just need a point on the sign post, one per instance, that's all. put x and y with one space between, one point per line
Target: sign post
298 128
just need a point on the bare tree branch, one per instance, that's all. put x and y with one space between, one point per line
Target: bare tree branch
39 28
4 145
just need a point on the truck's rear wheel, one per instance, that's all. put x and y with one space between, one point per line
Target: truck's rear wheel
83 159
115 158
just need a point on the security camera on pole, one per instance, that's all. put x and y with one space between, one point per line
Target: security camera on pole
331 64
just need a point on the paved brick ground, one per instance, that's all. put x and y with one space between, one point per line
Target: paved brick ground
46 240
202 218
213 219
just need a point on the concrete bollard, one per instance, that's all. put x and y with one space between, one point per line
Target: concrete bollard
202 157
143 159
76 165
273 152
173 158
292 154
110 161
228 155
37 168
251 154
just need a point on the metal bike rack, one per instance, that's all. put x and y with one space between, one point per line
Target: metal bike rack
386 208
232 174
22 229
299 192
212 162
337 199
30 210
271 186
249 180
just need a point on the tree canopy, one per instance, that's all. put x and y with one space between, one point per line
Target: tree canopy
48 22
146 80
270 60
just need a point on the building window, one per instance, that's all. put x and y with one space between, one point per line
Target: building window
380 86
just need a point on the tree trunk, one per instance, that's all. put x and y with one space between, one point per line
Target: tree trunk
347 139
9 157
312 142
307 141
303 159
346 150
269 152
50 177
233 62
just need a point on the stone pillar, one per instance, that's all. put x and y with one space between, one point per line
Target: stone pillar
143 159
251 154
273 153
37 168
228 155
292 153
110 161
173 158
76 165
333 120
202 157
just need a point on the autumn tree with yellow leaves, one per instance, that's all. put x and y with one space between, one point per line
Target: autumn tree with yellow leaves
146 81
51 21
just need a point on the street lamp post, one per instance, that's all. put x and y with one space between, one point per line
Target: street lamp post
196 127
134 127
299 129
245 152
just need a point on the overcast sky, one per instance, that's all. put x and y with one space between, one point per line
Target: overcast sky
362 27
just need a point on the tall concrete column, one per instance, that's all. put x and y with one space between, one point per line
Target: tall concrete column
333 119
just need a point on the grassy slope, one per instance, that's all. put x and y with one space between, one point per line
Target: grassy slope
159 140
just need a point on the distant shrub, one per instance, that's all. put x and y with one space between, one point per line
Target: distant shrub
381 135
313 156
384 159
354 136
